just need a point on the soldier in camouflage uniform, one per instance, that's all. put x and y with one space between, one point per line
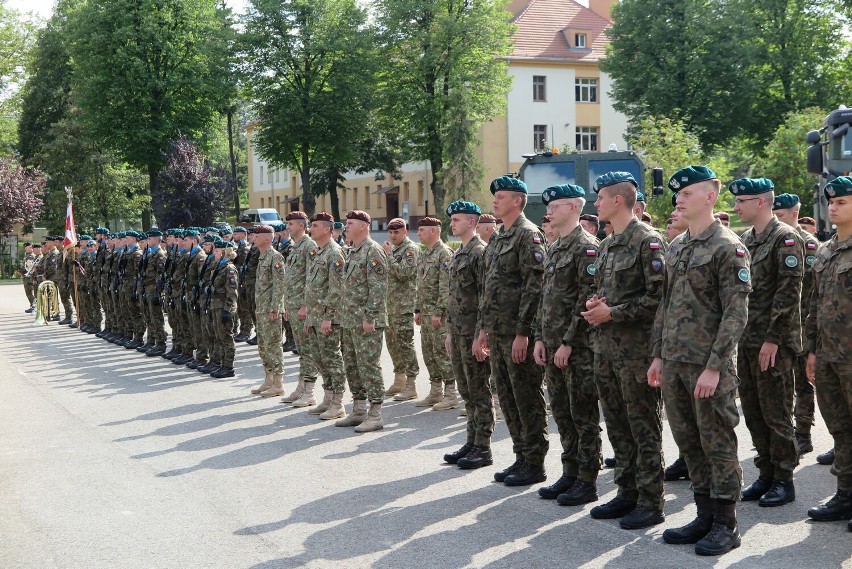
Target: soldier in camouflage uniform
472 373
630 273
223 308
771 340
786 208
27 264
269 311
402 255
507 307
247 280
206 347
108 254
828 344
563 346
244 310
181 332
155 266
77 279
31 273
192 299
701 316
322 327
92 276
430 312
486 228
364 318
132 293
65 282
284 245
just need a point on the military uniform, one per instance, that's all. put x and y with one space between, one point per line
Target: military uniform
225 283
432 295
206 345
66 283
245 310
50 268
402 291
294 299
269 297
181 332
26 267
247 281
805 407
134 325
154 268
192 298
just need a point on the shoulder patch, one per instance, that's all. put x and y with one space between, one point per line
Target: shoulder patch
591 252
592 270
536 239
791 261
656 265
810 260
789 242
313 252
409 253
654 245
811 246
743 275
538 256
740 252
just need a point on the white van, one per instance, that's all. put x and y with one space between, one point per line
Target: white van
260 215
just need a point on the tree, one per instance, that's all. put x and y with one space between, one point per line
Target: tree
143 75
17 35
188 192
21 191
444 74
309 67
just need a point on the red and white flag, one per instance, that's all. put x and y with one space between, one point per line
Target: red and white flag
70 232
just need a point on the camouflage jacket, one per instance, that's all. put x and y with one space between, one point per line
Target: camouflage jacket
90 264
243 250
569 280
133 258
774 310
322 292
365 286
830 315
224 286
66 268
465 287
512 286
705 299
269 283
433 274
178 273
155 264
297 271
402 278
250 269
630 273
811 244
50 265
192 286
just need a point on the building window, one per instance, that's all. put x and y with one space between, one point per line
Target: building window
341 198
261 175
587 138
277 175
586 90
579 40
366 197
539 137
405 194
419 192
539 88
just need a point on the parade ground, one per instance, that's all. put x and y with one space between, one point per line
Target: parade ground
110 459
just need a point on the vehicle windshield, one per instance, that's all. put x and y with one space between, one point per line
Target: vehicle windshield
268 216
539 176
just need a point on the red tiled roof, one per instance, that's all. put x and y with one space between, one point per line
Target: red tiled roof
542 26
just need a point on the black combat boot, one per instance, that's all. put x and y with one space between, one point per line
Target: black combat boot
551 492
642 516
195 363
580 493
609 462
223 371
133 344
677 471
724 534
156 351
826 458
501 476
838 508
453 457
697 529
525 475
757 489
476 458
252 341
615 508
145 347
804 445
781 492
182 359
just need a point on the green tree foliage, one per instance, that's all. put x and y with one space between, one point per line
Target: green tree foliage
17 36
444 75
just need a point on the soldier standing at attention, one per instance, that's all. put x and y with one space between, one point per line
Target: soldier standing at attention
269 311
550 234
486 228
24 270
223 308
156 266
507 307
771 339
786 208
186 256
173 290
402 254
430 312
207 344
472 373
243 309
828 345
702 315
247 284
192 295
563 348
66 280
365 288
31 275
630 274
284 245
132 292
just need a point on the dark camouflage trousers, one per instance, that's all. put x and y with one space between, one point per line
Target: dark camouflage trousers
182 313
704 429
207 346
834 395
134 324
399 337
574 404
94 315
474 383
65 293
804 409
156 323
224 349
434 352
328 357
29 290
633 414
245 310
195 337
269 334
307 366
767 403
361 355
519 389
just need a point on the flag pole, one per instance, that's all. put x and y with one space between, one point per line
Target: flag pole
73 237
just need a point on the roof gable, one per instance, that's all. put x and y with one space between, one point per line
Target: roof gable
545 30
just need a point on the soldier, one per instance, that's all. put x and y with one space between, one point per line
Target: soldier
786 208
472 373
247 281
132 291
223 308
808 224
269 311
30 275
182 333
829 356
723 218
640 205
322 326
590 223
92 319
207 345
284 245
430 312
26 265
77 280
486 229
402 254
244 311
630 273
65 284
337 232
702 314
155 266
364 319
192 299
550 235
563 346
771 339
507 307
97 276
51 265
110 324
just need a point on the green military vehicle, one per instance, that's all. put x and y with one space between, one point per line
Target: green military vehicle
829 156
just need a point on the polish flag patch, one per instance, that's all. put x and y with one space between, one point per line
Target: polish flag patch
740 252
536 239
789 242
654 245
591 252
812 246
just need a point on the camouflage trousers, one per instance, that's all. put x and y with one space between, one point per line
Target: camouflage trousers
224 348
434 353
207 346
804 408
94 311
65 293
329 359
474 382
574 404
245 310
399 337
361 358
269 334
633 414
521 395
307 366
134 325
184 341
767 403
29 290
704 429
195 338
80 301
834 395
156 323
146 314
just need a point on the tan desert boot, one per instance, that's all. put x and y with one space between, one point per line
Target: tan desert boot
335 409
373 422
267 383
410 391
450 400
307 398
356 417
436 394
297 393
277 387
398 385
322 407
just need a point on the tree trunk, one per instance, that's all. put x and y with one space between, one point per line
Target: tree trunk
332 194
152 187
309 203
233 162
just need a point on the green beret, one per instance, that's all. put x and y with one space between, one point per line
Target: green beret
613 178
690 175
210 238
751 186
226 231
640 197
240 229
133 234
463 207
212 229
561 192
155 233
101 230
85 238
508 184
222 244
785 201
120 235
838 187
190 233
338 225
92 242
178 233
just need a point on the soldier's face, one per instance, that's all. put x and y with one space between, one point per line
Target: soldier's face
589 226
840 211
809 228
28 249
397 236
505 202
460 224
789 216
605 204
747 207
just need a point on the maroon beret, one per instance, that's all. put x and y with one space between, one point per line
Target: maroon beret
545 219
429 222
359 215
396 223
301 215
807 221
262 229
487 218
322 216
646 217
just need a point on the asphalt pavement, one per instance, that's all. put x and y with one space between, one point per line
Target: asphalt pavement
110 459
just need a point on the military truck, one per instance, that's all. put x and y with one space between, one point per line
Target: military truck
829 156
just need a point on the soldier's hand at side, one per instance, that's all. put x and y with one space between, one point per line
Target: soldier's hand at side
655 373
540 353
562 355
418 319
706 385
767 354
599 314
447 345
810 368
368 327
325 327
436 322
273 315
520 345
302 313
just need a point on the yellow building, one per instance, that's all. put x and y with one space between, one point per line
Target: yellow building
559 98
